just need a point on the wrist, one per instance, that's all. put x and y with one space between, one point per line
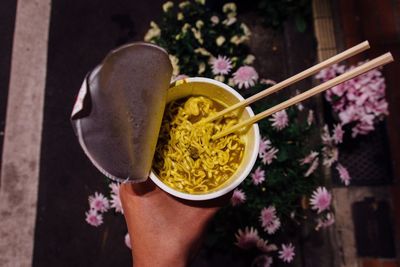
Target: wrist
165 259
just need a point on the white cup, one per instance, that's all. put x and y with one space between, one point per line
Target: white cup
226 95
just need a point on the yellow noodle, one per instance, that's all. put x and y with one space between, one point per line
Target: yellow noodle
186 157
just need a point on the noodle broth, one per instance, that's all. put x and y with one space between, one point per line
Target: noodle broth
186 158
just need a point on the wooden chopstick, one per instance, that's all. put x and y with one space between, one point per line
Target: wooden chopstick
379 61
289 81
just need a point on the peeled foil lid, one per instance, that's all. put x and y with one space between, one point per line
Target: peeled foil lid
118 112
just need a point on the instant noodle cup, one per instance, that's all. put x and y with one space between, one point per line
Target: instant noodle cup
226 96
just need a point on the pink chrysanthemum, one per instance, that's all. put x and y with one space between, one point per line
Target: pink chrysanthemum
320 199
258 176
263 246
312 168
280 120
238 197
115 198
262 261
325 222
114 188
343 174
270 155
286 254
273 226
265 144
245 76
309 158
93 218
247 239
337 134
269 221
127 240
221 65
116 203
98 202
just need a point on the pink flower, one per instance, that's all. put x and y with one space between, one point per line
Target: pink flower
269 221
127 240
312 167
98 202
309 158
267 81
114 188
221 65
360 100
273 226
265 144
325 222
320 199
262 261
337 134
343 174
116 203
115 199
247 239
286 254
263 246
238 197
270 155
279 120
245 76
325 136
93 218
258 176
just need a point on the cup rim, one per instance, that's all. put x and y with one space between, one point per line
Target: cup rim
247 169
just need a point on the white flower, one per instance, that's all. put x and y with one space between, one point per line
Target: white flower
167 6
220 78
179 16
174 61
153 32
229 7
185 27
237 40
199 24
201 2
249 59
202 51
184 4
229 21
214 20
246 30
197 35
220 40
202 68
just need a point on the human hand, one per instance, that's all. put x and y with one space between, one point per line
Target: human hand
164 230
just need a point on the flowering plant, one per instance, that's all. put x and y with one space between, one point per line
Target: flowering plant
359 102
267 209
